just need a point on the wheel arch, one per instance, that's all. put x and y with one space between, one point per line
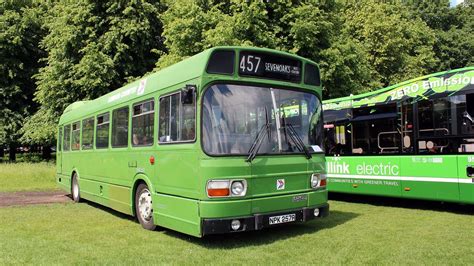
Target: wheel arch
74 171
137 180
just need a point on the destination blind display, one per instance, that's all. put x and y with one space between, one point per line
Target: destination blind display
269 66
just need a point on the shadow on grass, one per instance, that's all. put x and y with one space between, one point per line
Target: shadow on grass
404 203
252 238
107 209
268 235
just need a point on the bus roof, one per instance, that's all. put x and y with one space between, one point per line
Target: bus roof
423 87
188 69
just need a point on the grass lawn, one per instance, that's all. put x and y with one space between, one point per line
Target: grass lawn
27 176
355 233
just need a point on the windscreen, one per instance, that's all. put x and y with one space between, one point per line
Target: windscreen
234 114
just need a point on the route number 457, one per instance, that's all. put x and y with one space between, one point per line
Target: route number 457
250 63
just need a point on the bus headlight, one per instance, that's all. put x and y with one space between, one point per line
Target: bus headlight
318 180
238 188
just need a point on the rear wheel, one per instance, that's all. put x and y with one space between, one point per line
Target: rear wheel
75 191
144 207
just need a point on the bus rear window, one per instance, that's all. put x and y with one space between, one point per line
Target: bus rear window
76 134
120 127
60 138
143 123
102 131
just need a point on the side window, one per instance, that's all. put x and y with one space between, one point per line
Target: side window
337 132
76 134
143 123
102 131
87 133
67 138
60 139
375 130
120 127
177 120
434 116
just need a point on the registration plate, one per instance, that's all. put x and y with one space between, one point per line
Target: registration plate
280 219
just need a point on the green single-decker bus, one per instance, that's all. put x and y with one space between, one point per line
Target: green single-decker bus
228 140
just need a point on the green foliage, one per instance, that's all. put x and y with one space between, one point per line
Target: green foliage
40 127
20 34
63 51
398 48
93 48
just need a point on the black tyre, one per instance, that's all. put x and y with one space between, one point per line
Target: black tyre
144 207
75 191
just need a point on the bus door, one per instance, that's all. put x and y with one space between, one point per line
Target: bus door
177 156
432 171
142 156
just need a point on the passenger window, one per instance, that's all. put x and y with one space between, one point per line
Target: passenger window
76 134
375 130
120 127
102 131
67 138
177 120
143 123
87 133
337 128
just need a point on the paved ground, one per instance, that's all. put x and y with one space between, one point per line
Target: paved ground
32 197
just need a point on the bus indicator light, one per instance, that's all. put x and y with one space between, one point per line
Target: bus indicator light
152 160
322 183
218 188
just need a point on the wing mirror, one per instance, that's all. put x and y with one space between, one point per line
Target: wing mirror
188 94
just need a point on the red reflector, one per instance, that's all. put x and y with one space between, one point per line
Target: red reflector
152 160
322 183
218 192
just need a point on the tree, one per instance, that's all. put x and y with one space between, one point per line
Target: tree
398 47
20 34
453 28
93 48
302 27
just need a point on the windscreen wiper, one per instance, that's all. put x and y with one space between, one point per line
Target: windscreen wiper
259 138
296 139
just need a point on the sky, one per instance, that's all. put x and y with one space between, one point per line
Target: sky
456 2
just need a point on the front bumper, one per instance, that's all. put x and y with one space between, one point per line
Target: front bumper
259 221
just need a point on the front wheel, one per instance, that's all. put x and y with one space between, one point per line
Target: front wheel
75 192
144 207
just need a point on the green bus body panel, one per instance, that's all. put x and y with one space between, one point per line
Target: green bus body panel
180 172
420 177
466 183
177 213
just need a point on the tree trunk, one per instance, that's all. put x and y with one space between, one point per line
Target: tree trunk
46 154
12 153
2 153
